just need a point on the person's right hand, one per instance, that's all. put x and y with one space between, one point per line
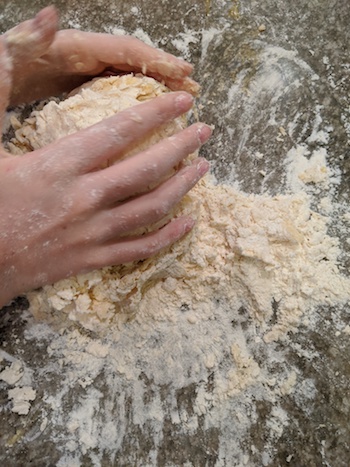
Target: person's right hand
61 214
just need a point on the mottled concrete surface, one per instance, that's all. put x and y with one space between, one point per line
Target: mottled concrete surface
318 34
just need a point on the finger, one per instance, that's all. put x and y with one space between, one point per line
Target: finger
26 44
136 174
32 38
138 248
151 207
107 140
187 84
184 84
91 53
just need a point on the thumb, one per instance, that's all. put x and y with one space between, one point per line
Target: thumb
20 46
27 43
31 39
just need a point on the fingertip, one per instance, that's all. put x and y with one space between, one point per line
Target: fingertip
191 86
46 21
31 39
191 174
183 101
171 67
188 224
179 227
47 13
203 166
185 66
204 132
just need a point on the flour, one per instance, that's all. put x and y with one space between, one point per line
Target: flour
21 398
182 43
209 312
13 373
19 378
309 171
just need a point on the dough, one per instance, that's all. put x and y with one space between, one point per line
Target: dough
87 105
250 251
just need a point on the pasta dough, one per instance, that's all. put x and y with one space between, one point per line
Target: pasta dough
89 104
254 251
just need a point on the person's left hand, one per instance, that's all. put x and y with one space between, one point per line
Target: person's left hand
46 62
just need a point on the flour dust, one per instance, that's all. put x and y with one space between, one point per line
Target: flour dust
208 313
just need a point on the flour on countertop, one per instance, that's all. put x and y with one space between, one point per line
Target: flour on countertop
254 268
21 398
306 168
19 378
13 373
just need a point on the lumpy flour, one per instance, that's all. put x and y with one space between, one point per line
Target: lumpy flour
255 251
252 251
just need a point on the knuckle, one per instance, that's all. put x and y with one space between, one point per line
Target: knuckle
153 246
160 209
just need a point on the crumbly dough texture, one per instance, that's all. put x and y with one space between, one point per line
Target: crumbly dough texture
253 251
99 99
118 288
246 250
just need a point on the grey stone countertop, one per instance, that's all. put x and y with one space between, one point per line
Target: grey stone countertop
274 76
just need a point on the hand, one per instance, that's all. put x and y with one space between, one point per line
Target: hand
60 214
46 62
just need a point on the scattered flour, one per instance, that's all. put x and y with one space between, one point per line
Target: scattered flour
13 373
305 168
252 270
22 398
20 378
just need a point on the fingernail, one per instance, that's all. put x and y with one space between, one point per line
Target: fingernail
204 133
188 224
183 102
203 167
185 63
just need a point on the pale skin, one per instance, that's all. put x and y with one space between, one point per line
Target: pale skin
61 214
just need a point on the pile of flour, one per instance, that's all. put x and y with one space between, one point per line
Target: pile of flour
256 251
253 251
205 313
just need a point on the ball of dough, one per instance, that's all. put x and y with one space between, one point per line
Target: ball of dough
89 104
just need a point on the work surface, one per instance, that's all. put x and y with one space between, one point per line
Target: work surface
193 388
